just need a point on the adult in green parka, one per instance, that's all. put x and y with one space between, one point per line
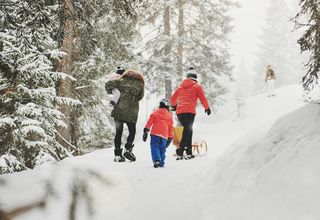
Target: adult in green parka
131 87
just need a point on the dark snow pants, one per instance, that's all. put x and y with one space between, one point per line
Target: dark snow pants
186 120
119 131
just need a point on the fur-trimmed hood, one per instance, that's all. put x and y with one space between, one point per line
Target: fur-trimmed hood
133 74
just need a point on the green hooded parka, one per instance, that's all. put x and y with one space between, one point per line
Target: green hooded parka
131 87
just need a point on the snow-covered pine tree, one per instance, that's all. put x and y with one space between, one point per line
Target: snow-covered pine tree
28 115
156 46
242 86
239 102
308 19
243 78
278 48
103 36
206 44
203 35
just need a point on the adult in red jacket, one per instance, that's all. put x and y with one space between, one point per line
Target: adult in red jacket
184 101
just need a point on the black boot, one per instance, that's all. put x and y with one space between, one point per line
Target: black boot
118 155
189 150
188 157
179 154
128 152
189 153
156 164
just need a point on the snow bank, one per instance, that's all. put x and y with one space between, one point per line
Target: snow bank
273 175
258 113
99 190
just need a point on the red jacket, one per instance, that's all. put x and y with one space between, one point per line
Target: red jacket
161 122
186 95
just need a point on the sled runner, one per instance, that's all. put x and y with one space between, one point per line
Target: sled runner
198 148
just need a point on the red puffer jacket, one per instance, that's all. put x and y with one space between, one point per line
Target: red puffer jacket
186 96
161 122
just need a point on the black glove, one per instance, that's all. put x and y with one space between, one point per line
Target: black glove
173 108
208 111
145 134
144 137
112 103
168 142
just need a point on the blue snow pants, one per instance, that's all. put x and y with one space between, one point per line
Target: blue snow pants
158 149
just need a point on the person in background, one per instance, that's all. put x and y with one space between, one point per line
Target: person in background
115 92
161 124
125 111
270 80
184 102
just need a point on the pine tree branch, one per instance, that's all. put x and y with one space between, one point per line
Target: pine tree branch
68 143
21 210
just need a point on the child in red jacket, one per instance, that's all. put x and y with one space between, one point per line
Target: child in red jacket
161 124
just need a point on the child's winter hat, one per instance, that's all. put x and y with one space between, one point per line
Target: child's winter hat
120 70
192 74
164 103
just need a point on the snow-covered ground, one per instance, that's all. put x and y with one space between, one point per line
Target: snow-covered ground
263 165
272 175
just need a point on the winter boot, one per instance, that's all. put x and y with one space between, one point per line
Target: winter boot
179 158
156 164
179 154
118 155
128 152
189 153
191 156
189 150
112 103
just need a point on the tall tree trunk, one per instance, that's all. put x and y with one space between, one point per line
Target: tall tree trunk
65 67
76 113
180 41
167 51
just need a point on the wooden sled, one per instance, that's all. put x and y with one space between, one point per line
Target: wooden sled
198 148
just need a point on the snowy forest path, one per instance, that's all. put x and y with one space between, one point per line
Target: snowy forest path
136 190
182 189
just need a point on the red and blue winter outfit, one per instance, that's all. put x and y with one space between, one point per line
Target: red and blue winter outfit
184 100
161 124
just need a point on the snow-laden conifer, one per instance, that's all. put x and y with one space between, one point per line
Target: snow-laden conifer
204 39
28 99
308 19
278 47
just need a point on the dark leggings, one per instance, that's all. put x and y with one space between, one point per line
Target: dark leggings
119 131
186 120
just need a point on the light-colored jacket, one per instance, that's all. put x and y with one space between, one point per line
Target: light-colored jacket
270 74
115 92
113 76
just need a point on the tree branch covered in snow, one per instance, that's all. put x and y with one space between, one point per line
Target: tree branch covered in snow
309 13
28 115
205 41
103 36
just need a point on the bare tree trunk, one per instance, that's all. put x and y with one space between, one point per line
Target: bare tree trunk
180 36
76 113
65 67
167 51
